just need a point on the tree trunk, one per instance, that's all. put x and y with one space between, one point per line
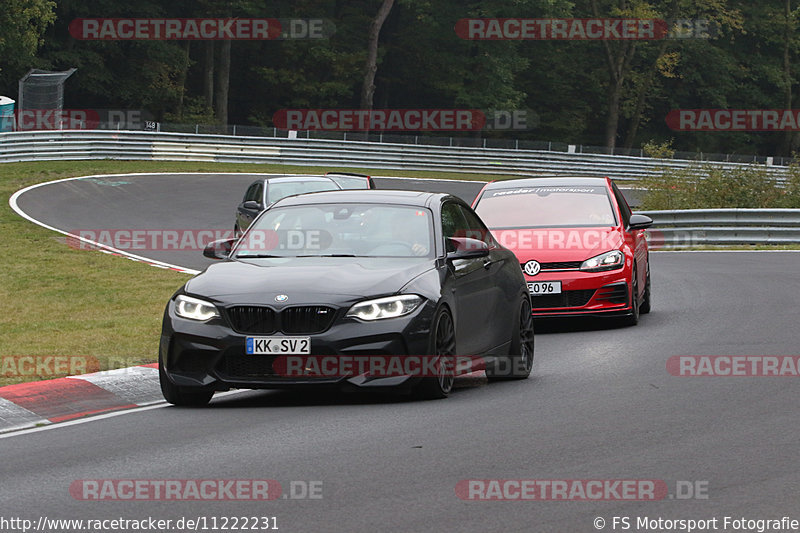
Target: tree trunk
208 74
187 46
368 87
619 64
789 136
223 82
612 119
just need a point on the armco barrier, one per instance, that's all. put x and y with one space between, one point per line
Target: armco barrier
699 227
671 228
141 145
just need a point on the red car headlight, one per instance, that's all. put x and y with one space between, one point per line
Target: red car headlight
608 261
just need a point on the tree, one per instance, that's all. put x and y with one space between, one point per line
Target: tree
368 87
623 59
22 25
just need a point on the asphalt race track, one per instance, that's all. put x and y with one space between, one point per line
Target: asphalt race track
600 406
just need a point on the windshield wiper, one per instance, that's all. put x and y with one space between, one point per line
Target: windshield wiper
255 256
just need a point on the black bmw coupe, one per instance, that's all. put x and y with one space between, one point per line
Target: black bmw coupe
352 289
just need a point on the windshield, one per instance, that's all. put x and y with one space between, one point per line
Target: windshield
352 230
282 189
350 182
559 206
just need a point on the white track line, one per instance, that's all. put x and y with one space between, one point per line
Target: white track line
93 418
15 206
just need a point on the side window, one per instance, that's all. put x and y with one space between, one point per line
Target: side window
259 195
453 223
623 204
477 229
251 192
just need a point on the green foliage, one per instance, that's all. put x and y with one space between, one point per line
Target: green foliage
423 63
711 187
790 195
658 150
22 24
195 111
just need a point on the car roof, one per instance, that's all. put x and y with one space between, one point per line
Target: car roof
416 198
546 182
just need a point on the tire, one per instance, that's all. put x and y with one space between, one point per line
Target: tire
633 318
519 363
443 345
180 395
646 303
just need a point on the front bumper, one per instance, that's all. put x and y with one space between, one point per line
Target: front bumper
211 355
584 293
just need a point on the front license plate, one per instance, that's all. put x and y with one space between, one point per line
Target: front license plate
541 288
278 345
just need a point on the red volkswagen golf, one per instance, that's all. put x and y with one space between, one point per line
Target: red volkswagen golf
582 250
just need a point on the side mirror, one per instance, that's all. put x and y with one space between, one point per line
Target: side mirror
219 249
466 248
252 204
640 222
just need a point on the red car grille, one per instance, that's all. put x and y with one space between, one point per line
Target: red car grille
560 265
565 299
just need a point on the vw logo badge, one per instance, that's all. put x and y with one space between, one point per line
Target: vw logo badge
281 298
532 268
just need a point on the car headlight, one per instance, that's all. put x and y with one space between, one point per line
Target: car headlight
607 261
390 307
194 309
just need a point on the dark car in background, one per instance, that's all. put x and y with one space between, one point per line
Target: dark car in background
581 248
349 274
266 191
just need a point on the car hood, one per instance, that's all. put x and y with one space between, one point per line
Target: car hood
305 280
548 245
